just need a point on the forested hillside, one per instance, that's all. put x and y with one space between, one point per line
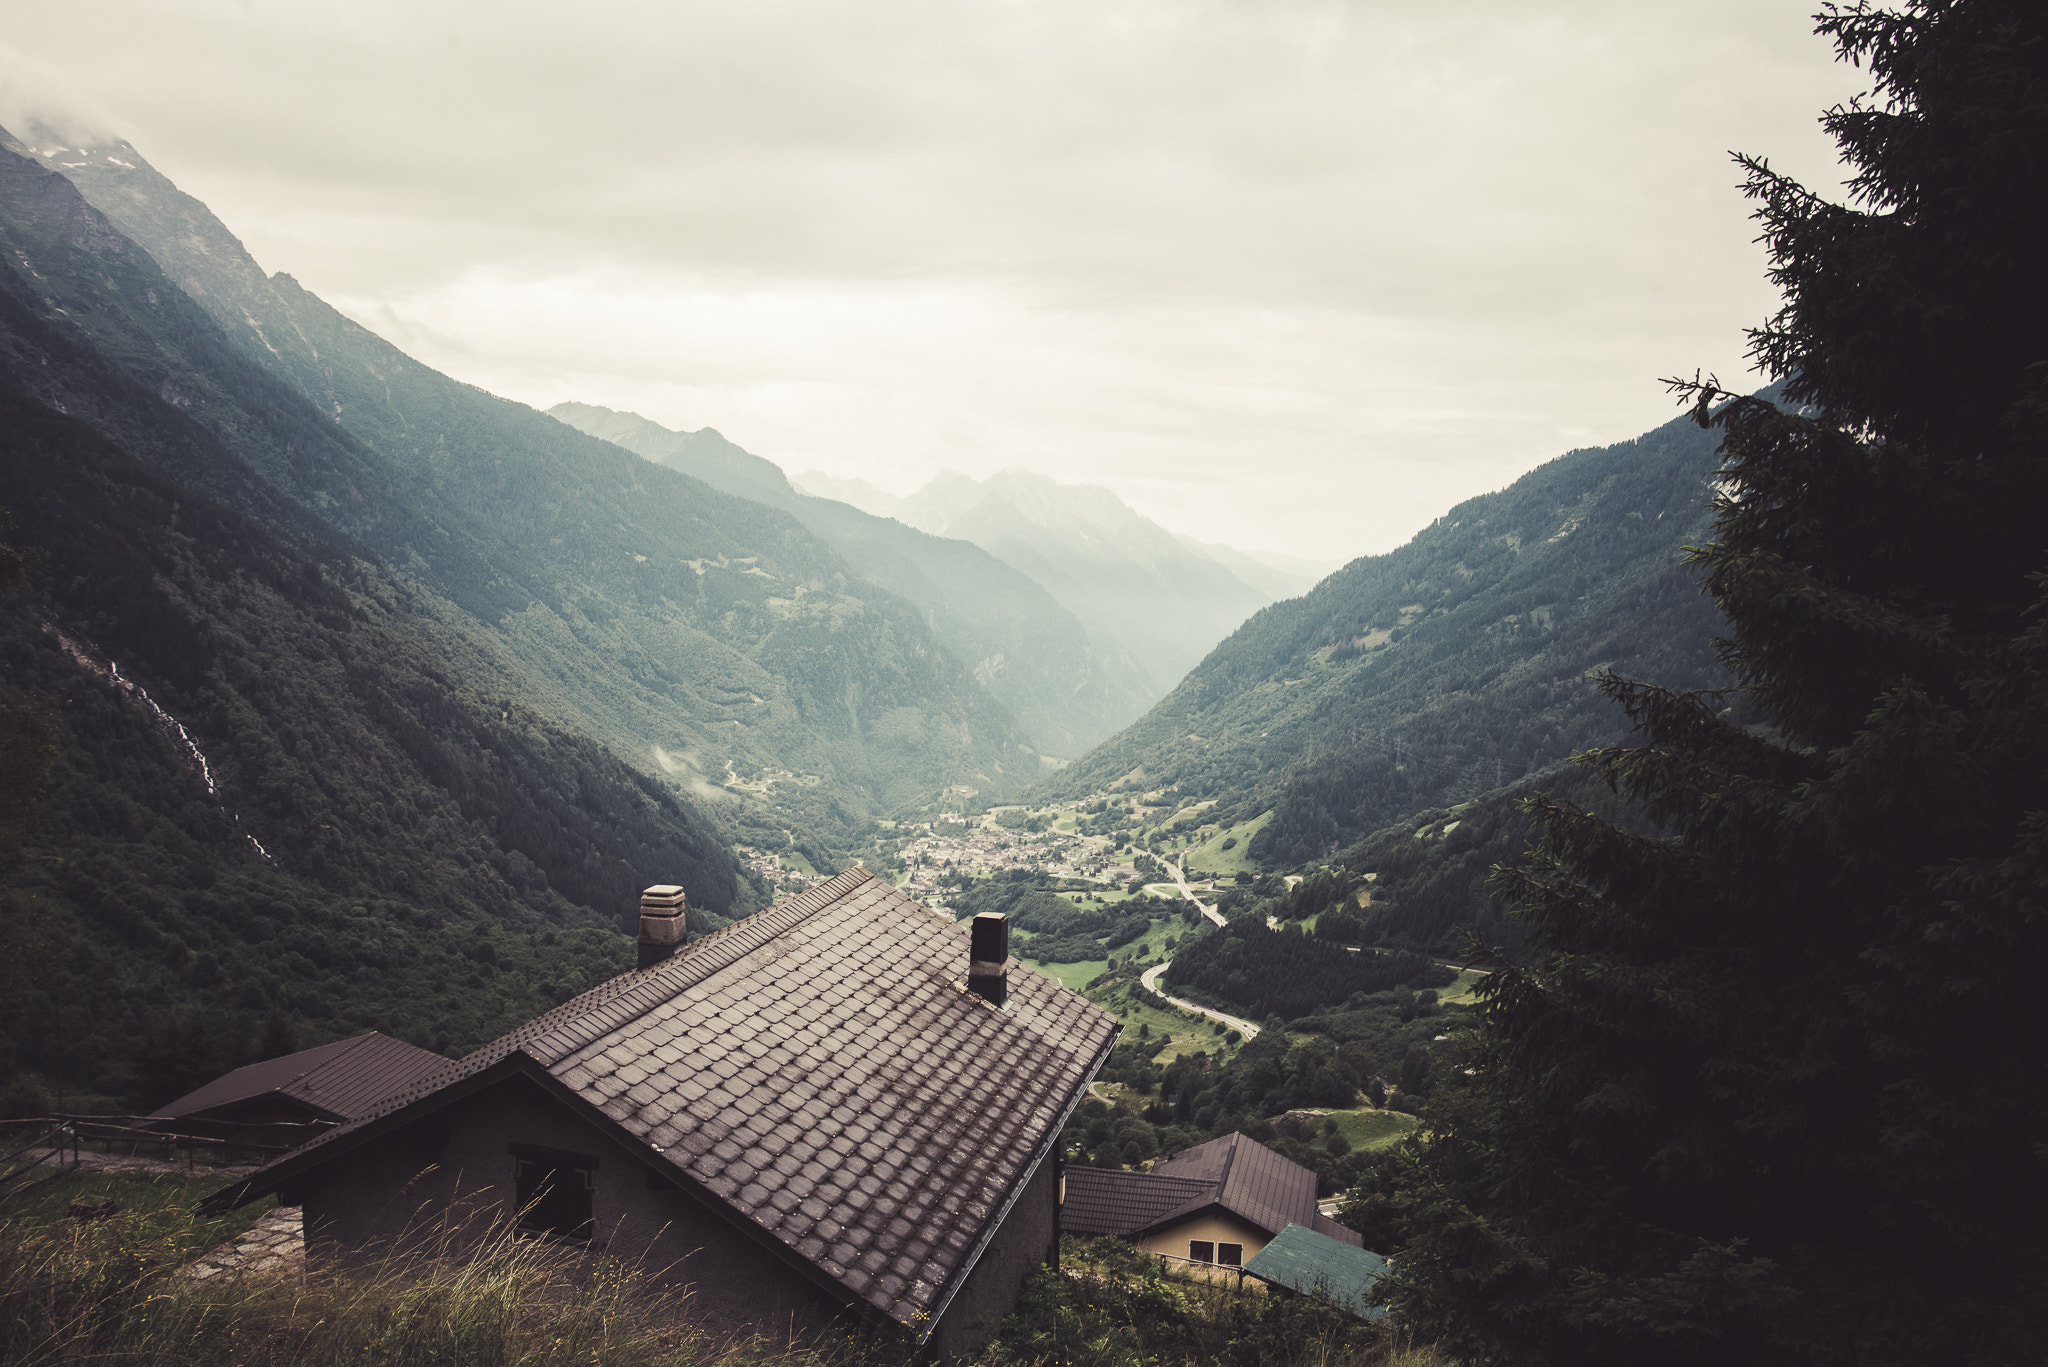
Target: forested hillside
1426 883
358 825
1285 974
687 629
1066 690
1452 666
358 805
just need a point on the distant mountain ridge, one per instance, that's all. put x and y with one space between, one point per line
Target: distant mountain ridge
1276 576
1066 690
1454 665
1126 577
676 623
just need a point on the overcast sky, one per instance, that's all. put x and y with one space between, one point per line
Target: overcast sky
1293 275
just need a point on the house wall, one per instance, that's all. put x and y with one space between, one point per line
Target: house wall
416 1184
1029 1237
1214 1226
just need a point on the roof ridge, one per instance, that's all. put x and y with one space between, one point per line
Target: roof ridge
691 965
1229 1158
579 1008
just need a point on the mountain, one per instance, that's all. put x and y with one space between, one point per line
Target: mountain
857 492
289 776
1276 576
1066 692
1451 666
1126 577
700 636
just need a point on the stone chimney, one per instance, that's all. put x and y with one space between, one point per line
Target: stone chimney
988 957
661 923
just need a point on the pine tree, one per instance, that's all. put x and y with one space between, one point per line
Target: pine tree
1773 1092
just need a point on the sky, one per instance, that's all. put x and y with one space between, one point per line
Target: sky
1294 275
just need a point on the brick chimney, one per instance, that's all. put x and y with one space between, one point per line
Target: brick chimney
988 957
661 923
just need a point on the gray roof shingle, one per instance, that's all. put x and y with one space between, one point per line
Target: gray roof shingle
821 1067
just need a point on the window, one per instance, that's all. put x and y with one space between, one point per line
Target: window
1201 1251
553 1190
1230 1255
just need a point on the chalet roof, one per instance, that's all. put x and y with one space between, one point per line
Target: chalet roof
1234 1172
1105 1201
1302 1259
820 1069
338 1081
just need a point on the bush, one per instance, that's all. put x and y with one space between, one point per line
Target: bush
1121 1306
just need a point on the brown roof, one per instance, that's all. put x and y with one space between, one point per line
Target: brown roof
338 1081
1105 1201
1235 1173
820 1068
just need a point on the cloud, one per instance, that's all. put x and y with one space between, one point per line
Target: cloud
1272 270
35 93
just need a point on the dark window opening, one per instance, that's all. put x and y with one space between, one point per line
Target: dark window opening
1230 1255
554 1191
1201 1251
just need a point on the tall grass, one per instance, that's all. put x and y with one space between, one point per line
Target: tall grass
1111 1305
115 1292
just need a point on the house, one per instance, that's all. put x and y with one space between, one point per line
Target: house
841 1105
1301 1260
1215 1205
324 1086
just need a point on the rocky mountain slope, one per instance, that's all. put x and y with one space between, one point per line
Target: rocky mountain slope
698 635
1066 691
290 776
1454 665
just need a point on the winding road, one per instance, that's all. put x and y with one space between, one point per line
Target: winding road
1151 975
1151 980
1180 880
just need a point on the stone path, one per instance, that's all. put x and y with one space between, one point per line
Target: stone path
278 1240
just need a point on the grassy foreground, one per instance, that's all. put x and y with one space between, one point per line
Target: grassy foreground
111 1291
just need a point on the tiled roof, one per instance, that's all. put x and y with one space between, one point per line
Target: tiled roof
341 1081
1105 1201
1235 1172
821 1068
1305 1260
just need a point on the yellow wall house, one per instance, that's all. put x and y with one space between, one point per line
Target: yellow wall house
1213 1207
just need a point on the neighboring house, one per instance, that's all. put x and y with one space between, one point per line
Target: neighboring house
830 1106
329 1085
1300 1259
1218 1204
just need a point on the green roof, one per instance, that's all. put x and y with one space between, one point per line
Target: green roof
1303 1260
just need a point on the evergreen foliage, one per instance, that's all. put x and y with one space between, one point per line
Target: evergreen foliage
1430 888
1246 967
1056 931
1772 1092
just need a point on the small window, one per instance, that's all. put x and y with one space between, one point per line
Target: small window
1230 1255
553 1190
1201 1251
